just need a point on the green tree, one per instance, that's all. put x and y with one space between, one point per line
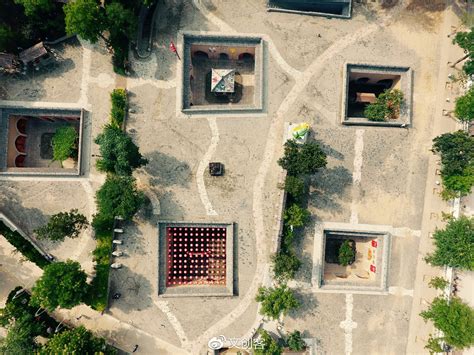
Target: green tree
120 19
464 109
63 284
64 143
119 154
294 185
20 336
266 345
33 7
63 225
285 265
295 341
76 341
346 253
296 216
438 283
454 245
457 157
454 318
301 159
7 38
465 40
86 18
118 196
276 301
386 106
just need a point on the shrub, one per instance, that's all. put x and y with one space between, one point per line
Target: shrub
62 225
438 283
285 265
97 296
64 143
23 246
296 216
464 109
276 301
454 245
457 157
119 101
266 345
454 318
301 159
386 106
346 254
294 186
465 40
295 341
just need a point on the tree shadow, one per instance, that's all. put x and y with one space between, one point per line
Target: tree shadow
308 305
331 152
165 170
328 185
135 289
169 207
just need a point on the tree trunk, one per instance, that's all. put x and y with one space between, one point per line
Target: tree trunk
459 60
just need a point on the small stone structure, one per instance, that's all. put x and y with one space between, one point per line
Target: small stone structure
327 8
24 132
363 82
370 269
205 53
195 259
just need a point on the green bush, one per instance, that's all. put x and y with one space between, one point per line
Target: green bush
62 225
266 345
119 101
65 143
295 341
386 106
23 246
276 301
454 318
118 196
464 109
302 159
296 216
294 185
346 253
98 295
438 283
285 265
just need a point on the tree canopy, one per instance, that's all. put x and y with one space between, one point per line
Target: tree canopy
464 109
76 341
296 216
120 19
266 345
301 159
465 40
457 157
285 265
20 336
118 196
63 284
386 106
295 341
454 318
276 301
119 154
86 18
63 225
33 7
454 245
64 143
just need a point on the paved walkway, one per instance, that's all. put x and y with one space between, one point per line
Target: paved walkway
419 331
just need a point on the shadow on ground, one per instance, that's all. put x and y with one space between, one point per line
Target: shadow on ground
327 186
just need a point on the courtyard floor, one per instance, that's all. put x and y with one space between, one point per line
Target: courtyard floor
374 176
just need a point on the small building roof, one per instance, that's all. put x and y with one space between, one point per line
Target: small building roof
8 61
33 53
222 80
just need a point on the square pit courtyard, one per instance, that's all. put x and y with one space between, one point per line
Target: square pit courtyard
195 259
362 85
26 140
221 73
369 270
